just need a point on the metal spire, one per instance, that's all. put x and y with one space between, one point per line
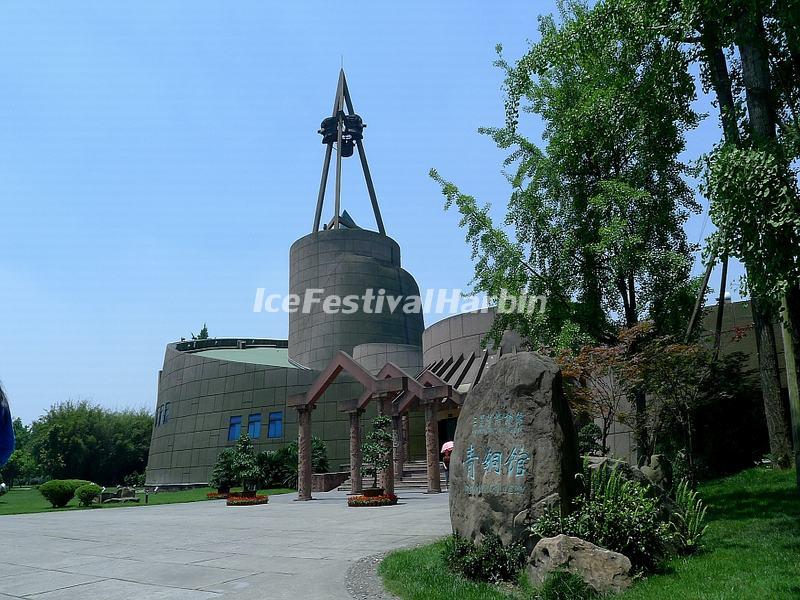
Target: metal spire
343 102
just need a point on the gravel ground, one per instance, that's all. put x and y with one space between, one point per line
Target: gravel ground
363 581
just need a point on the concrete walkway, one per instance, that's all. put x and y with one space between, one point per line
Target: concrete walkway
205 550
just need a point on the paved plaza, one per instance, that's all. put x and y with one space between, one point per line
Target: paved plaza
205 550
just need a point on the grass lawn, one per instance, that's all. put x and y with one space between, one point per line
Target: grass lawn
28 500
752 551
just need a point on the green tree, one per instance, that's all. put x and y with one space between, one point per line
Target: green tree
596 211
244 464
84 441
750 58
203 335
375 450
20 466
223 476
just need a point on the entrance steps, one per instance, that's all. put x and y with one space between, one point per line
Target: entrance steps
415 478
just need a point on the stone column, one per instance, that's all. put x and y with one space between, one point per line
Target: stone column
432 449
304 466
388 472
356 481
397 447
406 437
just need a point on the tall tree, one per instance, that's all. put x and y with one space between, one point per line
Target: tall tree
748 179
597 210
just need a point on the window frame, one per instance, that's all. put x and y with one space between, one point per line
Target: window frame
271 422
235 420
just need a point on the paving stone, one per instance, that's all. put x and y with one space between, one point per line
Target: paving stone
205 550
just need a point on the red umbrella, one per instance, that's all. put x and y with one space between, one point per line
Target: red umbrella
446 446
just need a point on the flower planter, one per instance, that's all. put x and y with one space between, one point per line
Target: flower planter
363 501
247 501
373 492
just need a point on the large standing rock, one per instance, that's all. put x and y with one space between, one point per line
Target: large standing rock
602 570
515 451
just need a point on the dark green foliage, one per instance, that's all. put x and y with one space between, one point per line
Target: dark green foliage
59 492
88 493
597 206
376 446
203 335
561 585
223 476
279 467
78 439
589 440
135 480
245 464
616 514
487 561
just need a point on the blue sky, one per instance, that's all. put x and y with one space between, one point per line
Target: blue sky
157 160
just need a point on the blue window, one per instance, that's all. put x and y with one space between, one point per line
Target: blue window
254 426
235 429
162 414
275 425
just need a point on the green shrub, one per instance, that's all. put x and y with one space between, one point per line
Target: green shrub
589 440
223 477
688 522
616 514
58 492
487 561
88 493
279 467
562 585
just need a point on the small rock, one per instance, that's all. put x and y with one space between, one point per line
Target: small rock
603 570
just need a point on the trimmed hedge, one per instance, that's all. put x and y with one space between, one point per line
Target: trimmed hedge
58 492
88 493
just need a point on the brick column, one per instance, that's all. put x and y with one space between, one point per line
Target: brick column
304 466
356 481
432 449
397 447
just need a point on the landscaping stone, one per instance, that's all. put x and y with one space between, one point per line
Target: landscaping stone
604 571
515 450
658 470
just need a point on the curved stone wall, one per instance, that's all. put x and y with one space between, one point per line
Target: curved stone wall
348 262
374 356
200 395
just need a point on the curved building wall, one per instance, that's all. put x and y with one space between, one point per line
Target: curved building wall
462 334
201 394
374 356
348 262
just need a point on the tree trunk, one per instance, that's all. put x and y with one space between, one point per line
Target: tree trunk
788 330
755 74
750 38
777 425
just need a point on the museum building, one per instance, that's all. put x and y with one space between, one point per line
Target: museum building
211 391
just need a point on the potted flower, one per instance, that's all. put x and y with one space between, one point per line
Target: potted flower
375 453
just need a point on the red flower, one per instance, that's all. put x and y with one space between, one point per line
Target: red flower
384 500
250 501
